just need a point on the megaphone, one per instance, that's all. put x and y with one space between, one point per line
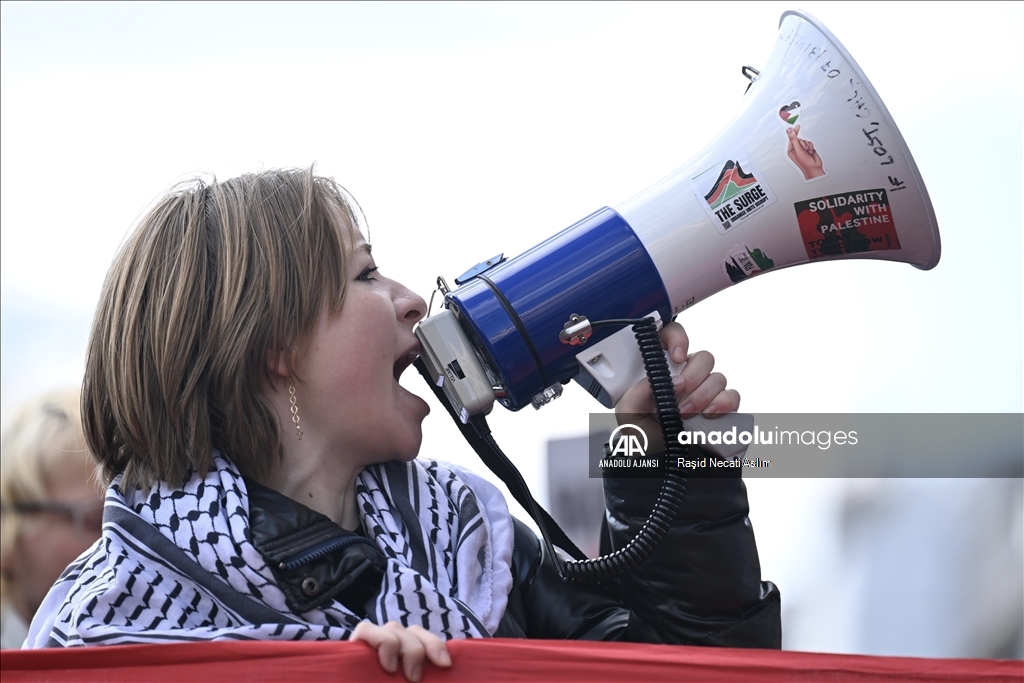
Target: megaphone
812 168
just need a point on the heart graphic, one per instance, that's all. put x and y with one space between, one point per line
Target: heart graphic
790 113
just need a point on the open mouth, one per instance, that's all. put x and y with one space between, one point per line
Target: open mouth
405 361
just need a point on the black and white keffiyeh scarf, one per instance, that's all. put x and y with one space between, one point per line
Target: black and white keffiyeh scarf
178 565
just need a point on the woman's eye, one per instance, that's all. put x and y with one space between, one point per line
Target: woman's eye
367 274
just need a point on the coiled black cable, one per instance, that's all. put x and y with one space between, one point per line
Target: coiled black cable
672 491
673 488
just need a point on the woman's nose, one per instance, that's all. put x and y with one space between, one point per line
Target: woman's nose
409 305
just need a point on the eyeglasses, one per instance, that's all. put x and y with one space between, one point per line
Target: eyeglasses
86 518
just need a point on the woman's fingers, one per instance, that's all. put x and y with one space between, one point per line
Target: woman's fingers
675 341
700 390
435 648
698 400
384 640
397 644
411 651
727 401
687 384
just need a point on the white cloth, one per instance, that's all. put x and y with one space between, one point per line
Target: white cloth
447 536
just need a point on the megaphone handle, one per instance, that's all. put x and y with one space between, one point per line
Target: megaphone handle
609 367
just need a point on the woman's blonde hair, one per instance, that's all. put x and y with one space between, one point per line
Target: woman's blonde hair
45 435
214 278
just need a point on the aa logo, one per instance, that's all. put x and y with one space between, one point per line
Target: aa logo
628 440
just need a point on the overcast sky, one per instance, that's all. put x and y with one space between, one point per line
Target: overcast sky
465 130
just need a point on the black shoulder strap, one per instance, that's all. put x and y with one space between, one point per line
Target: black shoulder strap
498 463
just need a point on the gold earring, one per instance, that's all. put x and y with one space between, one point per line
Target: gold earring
295 409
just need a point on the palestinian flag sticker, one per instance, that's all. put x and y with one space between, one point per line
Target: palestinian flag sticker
789 113
732 191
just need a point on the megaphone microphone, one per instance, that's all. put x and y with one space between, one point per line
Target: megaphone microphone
812 168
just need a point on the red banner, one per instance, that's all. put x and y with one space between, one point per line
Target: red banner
482 660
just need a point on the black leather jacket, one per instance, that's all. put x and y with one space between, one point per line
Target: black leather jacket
701 586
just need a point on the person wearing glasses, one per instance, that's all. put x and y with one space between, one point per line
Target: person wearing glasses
51 505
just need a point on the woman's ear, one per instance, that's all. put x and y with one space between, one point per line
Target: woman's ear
278 362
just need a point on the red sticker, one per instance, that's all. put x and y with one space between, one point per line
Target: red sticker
847 223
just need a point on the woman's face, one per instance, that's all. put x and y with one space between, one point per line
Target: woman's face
48 541
349 393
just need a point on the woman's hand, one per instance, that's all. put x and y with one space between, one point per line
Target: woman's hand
394 642
698 389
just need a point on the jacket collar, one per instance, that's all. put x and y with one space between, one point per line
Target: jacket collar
313 559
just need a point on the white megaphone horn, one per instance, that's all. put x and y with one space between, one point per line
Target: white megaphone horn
811 169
